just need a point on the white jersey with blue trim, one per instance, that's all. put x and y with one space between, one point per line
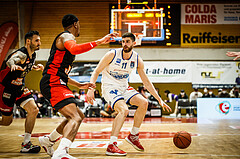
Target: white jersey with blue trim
119 70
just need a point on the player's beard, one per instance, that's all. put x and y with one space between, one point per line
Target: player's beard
127 49
34 47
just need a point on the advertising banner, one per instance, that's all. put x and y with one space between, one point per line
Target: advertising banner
210 35
8 32
198 14
210 25
217 108
215 72
196 72
165 72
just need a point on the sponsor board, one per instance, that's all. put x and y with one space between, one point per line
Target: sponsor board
218 108
198 14
214 25
165 72
8 32
196 72
210 35
214 72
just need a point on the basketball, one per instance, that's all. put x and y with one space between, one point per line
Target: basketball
182 139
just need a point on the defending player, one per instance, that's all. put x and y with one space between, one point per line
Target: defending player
13 90
54 85
116 67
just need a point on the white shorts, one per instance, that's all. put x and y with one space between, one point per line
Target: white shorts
113 93
25 102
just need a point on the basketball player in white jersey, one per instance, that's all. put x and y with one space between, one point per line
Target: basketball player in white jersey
116 67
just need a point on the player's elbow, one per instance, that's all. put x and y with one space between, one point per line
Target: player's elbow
8 63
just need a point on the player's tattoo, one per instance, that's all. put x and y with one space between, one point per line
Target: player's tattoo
16 58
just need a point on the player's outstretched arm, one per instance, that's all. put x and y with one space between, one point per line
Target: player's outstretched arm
86 85
107 58
149 86
15 59
107 39
233 54
68 40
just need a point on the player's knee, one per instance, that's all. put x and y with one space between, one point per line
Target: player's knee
144 104
7 123
78 119
34 111
125 112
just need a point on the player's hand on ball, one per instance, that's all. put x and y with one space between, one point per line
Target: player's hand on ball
90 96
165 106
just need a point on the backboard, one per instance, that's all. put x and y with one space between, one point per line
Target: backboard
148 22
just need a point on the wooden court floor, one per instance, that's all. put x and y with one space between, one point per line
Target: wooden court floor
215 140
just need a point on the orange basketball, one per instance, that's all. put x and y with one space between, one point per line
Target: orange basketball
182 139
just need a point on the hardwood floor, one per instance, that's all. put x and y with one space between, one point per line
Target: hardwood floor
216 140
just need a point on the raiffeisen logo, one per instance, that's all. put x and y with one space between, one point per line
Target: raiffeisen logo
223 107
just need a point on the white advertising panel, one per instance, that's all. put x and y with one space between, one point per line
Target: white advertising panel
217 108
165 72
214 72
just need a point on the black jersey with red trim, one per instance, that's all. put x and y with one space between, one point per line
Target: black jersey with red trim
59 62
17 78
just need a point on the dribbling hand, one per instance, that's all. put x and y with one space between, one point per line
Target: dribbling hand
165 106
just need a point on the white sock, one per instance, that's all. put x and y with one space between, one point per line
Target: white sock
134 131
54 135
27 138
65 143
113 139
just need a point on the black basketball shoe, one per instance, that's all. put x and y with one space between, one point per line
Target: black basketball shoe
30 148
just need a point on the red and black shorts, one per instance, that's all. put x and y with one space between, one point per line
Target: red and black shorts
10 95
56 91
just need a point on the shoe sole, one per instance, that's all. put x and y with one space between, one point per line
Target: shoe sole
133 144
115 154
35 150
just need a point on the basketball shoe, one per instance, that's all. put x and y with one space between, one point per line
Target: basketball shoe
62 154
113 150
134 141
46 144
30 148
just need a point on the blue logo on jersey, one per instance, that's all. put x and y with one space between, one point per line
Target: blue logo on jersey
114 91
118 76
118 61
132 64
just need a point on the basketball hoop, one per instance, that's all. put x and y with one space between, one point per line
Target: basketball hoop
138 39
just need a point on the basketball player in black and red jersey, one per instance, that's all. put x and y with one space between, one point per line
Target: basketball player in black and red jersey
54 85
13 90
